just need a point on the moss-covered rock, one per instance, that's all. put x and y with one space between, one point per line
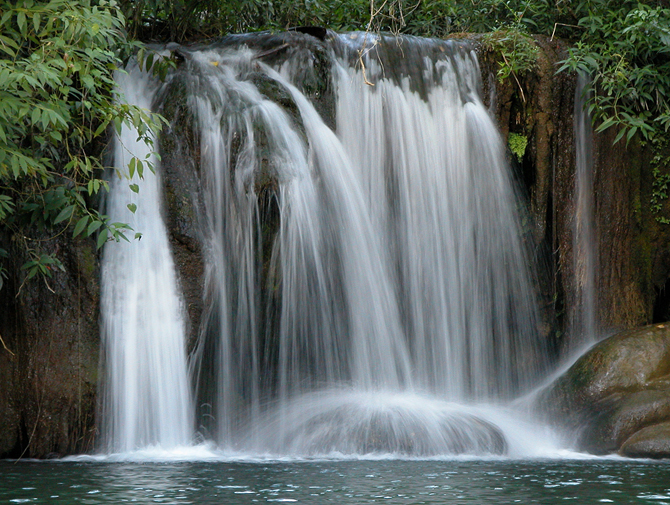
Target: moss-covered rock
627 361
622 416
619 387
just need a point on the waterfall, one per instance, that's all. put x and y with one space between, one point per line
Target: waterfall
146 391
366 285
584 326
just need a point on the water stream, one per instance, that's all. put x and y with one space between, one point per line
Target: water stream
584 327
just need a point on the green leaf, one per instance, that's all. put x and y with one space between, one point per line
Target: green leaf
21 21
140 57
8 46
64 214
32 272
149 61
92 227
93 186
28 265
79 227
606 124
35 116
5 17
134 188
101 128
131 167
132 207
620 135
102 238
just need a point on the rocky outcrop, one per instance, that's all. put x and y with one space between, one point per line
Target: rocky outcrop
650 442
616 397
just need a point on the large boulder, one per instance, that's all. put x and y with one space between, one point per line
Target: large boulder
616 397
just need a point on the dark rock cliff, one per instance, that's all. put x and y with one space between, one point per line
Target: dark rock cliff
614 399
49 368
633 248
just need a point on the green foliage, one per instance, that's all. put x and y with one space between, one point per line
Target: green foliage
660 194
626 51
181 20
57 99
625 48
517 144
516 49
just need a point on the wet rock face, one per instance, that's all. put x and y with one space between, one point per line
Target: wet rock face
632 247
539 108
181 148
616 393
49 371
307 52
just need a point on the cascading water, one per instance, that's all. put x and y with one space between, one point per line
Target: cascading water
146 392
438 189
584 327
358 281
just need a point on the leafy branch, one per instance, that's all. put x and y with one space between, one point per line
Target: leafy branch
58 100
626 51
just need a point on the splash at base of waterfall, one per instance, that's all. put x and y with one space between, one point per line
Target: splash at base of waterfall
345 424
376 422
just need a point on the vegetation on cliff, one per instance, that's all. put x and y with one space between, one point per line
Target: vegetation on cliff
57 98
623 45
57 60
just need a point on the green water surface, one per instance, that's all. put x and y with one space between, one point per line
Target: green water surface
341 482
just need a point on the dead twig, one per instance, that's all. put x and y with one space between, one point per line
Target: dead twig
364 50
523 97
5 347
561 24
